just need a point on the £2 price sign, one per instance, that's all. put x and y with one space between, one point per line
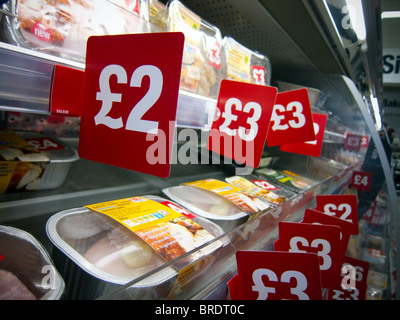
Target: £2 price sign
265 275
291 120
241 130
131 94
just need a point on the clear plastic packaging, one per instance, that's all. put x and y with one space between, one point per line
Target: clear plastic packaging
239 63
62 28
111 255
26 270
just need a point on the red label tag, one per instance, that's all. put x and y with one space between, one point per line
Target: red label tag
310 148
291 120
352 142
364 142
323 240
269 275
317 217
67 91
240 131
340 206
214 55
258 74
44 144
264 184
42 32
354 281
179 209
361 180
131 93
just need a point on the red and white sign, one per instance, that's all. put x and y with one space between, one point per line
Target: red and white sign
44 144
67 91
240 131
353 142
266 275
178 209
131 93
341 206
323 240
354 281
310 148
361 180
291 120
258 74
265 184
42 32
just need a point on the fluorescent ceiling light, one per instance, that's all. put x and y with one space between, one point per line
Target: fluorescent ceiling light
390 14
355 10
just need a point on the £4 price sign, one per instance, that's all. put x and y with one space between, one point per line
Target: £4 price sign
268 275
131 94
291 120
241 130
361 180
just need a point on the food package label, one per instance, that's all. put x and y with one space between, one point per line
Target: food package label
238 65
21 164
167 231
245 201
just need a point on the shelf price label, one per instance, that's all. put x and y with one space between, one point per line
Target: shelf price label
361 180
343 207
131 94
310 148
353 284
353 142
324 240
266 275
291 120
241 129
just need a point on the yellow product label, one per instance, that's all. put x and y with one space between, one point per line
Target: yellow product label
187 22
238 65
6 172
214 185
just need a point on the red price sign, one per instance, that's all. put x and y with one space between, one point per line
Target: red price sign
323 240
310 148
361 180
266 275
258 74
354 281
316 217
343 207
364 142
265 184
44 144
131 93
179 209
245 111
291 120
352 142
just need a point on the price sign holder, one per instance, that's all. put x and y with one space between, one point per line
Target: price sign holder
361 180
354 281
291 120
67 91
240 131
131 94
323 240
269 275
310 148
341 206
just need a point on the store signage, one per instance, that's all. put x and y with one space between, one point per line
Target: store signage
310 148
131 93
341 206
353 142
391 65
353 285
269 275
317 217
291 120
324 240
240 131
361 180
67 91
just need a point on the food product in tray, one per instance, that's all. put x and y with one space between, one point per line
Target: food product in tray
222 203
26 270
63 27
201 64
32 161
142 234
239 63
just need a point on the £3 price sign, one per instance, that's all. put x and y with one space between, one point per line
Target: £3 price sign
131 94
265 275
324 240
343 207
241 129
291 120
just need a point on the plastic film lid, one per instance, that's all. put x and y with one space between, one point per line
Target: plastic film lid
242 64
205 203
99 245
25 258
